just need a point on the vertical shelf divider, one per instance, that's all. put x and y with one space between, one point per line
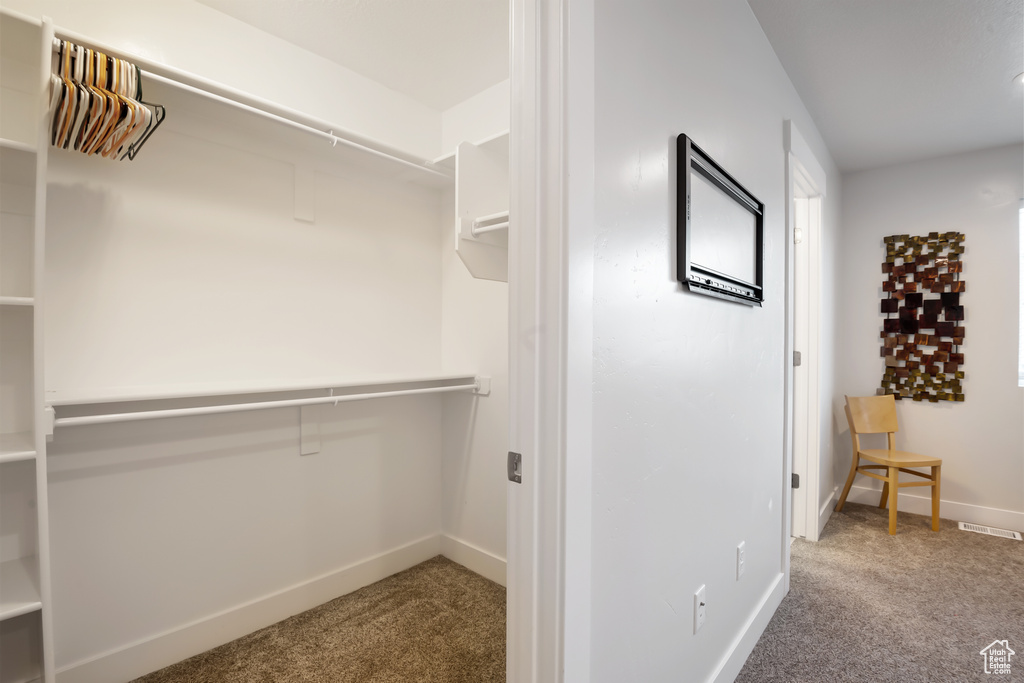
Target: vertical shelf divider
38 355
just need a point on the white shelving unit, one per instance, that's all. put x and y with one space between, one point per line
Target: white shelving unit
26 632
481 206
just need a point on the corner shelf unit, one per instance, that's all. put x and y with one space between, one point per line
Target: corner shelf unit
481 206
26 630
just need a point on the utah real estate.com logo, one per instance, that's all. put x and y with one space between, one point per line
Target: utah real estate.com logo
997 657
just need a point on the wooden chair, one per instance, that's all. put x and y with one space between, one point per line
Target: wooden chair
877 415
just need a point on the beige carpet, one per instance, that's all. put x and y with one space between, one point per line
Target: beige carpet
435 623
920 606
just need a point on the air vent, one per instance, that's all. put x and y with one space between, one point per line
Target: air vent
989 530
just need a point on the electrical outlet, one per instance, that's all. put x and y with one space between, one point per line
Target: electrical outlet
700 608
741 559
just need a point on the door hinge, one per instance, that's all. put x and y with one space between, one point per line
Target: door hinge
796 480
798 358
515 467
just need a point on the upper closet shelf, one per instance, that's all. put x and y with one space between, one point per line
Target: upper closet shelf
496 145
17 146
332 136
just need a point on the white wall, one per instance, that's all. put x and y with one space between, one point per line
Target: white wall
187 266
979 440
474 334
688 390
478 118
171 537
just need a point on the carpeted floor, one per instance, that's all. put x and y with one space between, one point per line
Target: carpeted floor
437 622
872 608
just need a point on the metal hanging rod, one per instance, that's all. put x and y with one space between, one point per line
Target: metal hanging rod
489 228
256 405
485 224
255 105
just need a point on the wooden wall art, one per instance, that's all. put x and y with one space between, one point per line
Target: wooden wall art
924 317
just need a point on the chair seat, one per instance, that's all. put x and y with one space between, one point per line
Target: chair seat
889 458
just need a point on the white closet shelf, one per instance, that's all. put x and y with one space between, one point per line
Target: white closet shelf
20 587
16 146
481 208
16 446
17 301
81 408
495 144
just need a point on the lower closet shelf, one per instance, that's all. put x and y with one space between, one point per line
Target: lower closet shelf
149 405
20 587
16 446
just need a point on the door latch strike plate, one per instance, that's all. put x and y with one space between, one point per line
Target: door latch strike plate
515 467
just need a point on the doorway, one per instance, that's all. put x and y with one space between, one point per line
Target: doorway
806 182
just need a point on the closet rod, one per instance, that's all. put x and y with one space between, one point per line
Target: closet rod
489 228
484 220
243 407
253 104
490 223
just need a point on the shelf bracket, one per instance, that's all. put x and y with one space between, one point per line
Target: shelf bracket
483 386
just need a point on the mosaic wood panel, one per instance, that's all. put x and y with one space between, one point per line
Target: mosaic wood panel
924 317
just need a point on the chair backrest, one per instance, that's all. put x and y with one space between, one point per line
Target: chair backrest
872 414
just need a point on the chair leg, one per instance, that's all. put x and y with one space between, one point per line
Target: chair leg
885 495
937 473
894 487
849 482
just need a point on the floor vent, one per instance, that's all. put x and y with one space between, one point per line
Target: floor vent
990 530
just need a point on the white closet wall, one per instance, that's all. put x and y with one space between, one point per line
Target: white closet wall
188 266
474 334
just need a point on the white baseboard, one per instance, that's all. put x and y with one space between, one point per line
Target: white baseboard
948 509
744 643
474 558
826 509
149 654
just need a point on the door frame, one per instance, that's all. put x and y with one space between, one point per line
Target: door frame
805 179
550 340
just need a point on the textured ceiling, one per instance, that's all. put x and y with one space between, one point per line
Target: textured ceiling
890 81
439 52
